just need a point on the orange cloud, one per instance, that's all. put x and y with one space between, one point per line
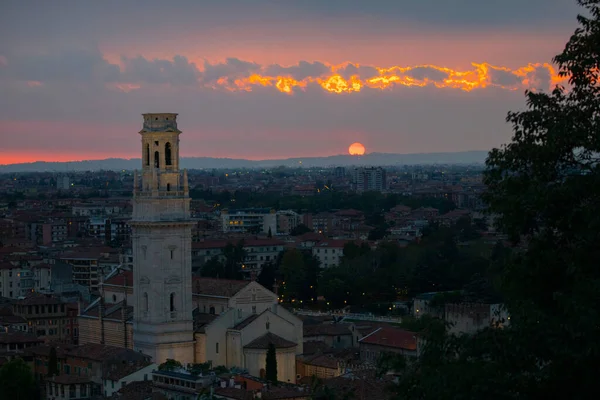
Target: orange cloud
350 78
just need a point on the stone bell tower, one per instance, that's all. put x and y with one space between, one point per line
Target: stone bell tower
161 241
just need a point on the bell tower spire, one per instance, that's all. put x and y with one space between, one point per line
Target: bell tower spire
161 239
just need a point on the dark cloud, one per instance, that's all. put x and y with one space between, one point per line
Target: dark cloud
427 73
178 72
232 68
63 66
299 72
504 78
363 71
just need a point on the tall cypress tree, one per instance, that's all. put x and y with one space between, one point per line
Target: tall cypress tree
53 363
271 364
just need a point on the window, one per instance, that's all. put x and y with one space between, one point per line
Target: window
114 298
147 154
82 391
172 302
217 347
156 159
168 153
168 188
72 393
145 302
211 310
172 253
253 309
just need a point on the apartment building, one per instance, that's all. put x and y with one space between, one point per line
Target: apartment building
48 317
369 179
249 220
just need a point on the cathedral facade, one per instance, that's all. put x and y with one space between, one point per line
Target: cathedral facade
159 308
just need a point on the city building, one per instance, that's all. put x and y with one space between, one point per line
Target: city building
162 241
250 220
369 179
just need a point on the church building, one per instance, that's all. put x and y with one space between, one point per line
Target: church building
159 308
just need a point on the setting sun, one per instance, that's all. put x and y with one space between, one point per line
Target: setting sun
356 149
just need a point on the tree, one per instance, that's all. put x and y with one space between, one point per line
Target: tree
267 275
300 229
170 365
17 381
213 268
271 364
53 363
544 188
294 273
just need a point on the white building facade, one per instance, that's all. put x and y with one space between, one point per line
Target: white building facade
161 242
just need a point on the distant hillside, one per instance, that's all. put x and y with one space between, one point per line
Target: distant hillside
379 159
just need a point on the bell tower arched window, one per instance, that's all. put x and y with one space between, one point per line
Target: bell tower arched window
168 160
148 154
156 159
172 302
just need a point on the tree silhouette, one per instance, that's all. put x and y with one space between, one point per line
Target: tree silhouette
271 364
53 363
544 187
16 381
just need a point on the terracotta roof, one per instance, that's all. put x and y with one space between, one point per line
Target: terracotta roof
233 393
392 337
70 379
322 360
245 322
7 265
124 278
202 319
312 347
265 340
11 319
111 311
140 390
10 336
359 387
118 370
38 299
349 213
99 352
217 287
327 330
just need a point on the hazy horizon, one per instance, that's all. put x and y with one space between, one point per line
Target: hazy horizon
271 78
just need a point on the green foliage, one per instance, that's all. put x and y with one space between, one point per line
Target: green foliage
231 267
53 363
271 364
300 229
267 275
199 369
390 273
371 203
170 365
544 188
17 381
439 300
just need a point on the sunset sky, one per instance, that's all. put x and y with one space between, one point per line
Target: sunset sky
270 79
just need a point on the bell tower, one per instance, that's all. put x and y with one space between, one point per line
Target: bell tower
161 241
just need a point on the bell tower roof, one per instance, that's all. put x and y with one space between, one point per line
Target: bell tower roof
160 122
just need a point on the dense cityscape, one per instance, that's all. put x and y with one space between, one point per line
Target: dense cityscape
302 239
229 251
